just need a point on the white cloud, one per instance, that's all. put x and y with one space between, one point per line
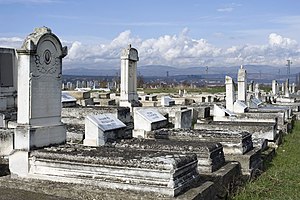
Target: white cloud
276 40
11 42
227 9
178 50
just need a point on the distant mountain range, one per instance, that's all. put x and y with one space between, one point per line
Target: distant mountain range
161 70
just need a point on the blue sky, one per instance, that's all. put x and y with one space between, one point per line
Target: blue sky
168 32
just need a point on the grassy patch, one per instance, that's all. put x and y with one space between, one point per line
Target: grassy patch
212 90
282 178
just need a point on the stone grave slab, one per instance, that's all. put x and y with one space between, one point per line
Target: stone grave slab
210 155
183 118
237 146
239 107
257 129
167 101
100 129
234 142
117 168
67 100
146 120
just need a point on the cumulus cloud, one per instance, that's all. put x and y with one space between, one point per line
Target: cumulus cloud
179 50
276 40
183 51
11 42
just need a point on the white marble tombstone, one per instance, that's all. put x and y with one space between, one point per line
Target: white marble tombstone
282 88
257 91
239 107
129 58
230 93
251 86
167 101
242 84
274 87
39 91
147 120
286 88
293 88
100 129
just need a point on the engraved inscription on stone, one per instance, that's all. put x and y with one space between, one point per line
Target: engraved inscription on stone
106 121
151 115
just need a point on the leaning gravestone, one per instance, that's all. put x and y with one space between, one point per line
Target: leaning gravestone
147 120
39 91
100 129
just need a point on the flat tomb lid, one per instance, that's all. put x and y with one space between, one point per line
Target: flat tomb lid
151 115
66 97
106 122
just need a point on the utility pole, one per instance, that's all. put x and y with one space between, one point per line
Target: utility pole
289 62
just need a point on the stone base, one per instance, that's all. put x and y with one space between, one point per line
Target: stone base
226 178
250 162
138 133
146 171
31 137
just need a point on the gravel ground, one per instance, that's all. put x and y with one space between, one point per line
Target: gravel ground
17 194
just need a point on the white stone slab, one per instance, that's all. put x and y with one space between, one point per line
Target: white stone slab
66 97
106 122
167 101
256 101
239 106
151 115
220 111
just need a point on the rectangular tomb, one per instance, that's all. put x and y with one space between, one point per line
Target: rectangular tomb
210 155
237 146
118 168
233 142
257 129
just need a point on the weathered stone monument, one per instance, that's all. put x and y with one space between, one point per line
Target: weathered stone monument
274 87
8 79
167 101
251 86
257 91
39 91
286 88
103 128
129 58
147 120
242 84
230 93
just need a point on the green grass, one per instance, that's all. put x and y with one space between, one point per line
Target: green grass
214 89
282 178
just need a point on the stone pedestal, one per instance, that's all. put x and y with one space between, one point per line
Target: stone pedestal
31 137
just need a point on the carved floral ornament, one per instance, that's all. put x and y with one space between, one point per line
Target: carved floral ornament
46 63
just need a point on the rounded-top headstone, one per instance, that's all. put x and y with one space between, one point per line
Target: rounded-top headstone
130 53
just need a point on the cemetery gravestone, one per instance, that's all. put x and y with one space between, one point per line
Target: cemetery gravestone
100 129
39 91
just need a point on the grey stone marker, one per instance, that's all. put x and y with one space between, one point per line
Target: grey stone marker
274 87
230 93
129 59
100 129
39 91
39 97
242 84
